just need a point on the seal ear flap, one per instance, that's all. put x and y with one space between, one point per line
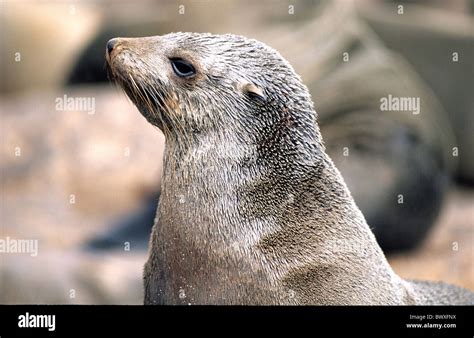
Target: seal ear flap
253 91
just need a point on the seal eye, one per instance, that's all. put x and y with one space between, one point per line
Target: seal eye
182 68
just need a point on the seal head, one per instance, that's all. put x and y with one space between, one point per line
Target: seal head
189 83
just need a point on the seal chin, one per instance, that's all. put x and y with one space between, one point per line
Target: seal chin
149 104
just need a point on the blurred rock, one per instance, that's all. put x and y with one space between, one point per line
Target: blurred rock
40 41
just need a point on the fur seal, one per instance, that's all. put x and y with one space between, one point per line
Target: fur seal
410 156
252 211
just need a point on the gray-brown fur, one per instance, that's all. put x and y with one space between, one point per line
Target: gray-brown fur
252 209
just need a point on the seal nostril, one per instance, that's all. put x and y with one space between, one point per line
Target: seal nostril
111 44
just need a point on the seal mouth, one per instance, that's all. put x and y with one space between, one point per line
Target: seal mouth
150 102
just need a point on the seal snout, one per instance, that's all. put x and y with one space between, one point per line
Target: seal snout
111 46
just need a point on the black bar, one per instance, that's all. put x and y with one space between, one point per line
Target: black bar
135 321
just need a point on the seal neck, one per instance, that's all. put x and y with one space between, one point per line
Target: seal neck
274 205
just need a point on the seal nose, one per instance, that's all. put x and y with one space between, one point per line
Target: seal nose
111 44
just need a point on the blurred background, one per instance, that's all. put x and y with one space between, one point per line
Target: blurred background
80 167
